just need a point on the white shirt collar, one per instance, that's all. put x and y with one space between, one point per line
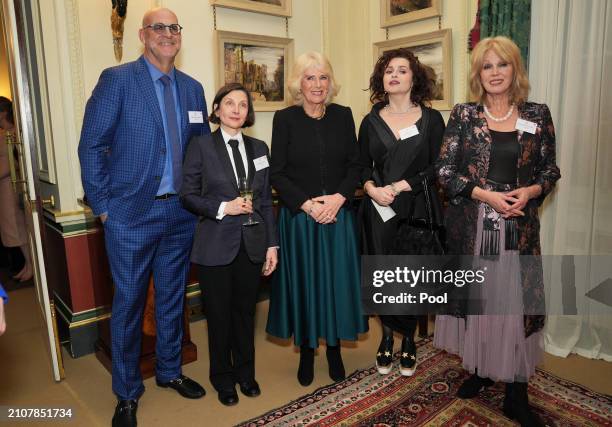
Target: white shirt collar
227 137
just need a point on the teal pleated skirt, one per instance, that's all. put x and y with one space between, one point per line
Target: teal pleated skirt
316 290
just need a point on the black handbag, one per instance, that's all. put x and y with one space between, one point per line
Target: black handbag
420 236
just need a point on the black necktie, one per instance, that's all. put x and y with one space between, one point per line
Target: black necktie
237 159
176 151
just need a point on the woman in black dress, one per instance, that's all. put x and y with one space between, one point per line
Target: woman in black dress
399 142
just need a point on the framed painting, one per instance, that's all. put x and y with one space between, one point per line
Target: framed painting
270 7
396 12
260 63
433 49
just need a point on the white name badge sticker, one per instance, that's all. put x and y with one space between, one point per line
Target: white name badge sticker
526 126
385 212
261 163
196 117
408 132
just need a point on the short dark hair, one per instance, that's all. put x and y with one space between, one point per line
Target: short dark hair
6 106
221 93
423 77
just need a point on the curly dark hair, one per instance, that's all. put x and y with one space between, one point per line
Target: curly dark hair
423 77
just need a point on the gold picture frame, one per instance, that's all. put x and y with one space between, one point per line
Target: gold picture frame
261 63
269 7
433 49
396 12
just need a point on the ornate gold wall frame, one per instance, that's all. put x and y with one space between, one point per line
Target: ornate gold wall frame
396 12
261 63
269 7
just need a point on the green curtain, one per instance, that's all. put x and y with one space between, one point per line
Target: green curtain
510 18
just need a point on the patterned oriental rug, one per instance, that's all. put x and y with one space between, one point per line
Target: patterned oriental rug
367 398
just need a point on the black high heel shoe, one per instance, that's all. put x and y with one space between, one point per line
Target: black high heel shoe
384 356
408 360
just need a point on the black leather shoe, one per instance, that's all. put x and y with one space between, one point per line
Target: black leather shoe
185 386
472 386
250 388
228 397
125 413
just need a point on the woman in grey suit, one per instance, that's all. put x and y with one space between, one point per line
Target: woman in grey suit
230 252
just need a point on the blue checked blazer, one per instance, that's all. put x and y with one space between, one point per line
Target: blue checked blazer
122 145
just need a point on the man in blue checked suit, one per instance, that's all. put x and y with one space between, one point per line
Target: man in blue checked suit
137 124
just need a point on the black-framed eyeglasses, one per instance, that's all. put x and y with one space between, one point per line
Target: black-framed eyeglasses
160 28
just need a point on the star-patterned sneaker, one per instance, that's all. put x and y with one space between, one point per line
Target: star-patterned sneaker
408 361
384 356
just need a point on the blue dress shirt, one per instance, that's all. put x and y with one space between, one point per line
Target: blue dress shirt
165 185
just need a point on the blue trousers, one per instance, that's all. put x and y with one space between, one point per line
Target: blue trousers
157 243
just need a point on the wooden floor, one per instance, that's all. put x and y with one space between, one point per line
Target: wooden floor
26 376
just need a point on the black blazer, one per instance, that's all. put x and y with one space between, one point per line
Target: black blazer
208 180
313 157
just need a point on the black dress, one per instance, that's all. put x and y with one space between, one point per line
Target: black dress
385 159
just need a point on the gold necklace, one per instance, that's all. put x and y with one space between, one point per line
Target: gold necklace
320 116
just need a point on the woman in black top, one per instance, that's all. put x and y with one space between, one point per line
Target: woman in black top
399 140
314 169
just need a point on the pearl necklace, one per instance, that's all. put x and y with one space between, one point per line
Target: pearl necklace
499 119
388 108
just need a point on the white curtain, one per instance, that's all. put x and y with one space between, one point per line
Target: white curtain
570 69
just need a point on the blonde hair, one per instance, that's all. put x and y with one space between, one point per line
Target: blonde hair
508 51
304 62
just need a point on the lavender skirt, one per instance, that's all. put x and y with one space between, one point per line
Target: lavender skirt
494 343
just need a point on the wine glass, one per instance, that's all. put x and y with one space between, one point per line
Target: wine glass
247 192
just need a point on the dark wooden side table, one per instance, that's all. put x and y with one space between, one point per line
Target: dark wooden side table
147 357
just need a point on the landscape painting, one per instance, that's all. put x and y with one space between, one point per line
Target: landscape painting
260 63
396 12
